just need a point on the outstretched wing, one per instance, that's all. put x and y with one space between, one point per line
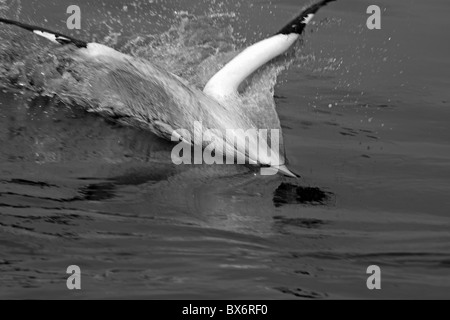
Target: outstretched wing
226 82
48 34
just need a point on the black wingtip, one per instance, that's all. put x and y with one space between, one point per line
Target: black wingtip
297 25
59 37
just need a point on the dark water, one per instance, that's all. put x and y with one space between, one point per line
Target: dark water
365 117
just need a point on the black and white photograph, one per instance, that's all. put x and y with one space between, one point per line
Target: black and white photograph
226 155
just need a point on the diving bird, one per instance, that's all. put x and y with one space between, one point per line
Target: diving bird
137 92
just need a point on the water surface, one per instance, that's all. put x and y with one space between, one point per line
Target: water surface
365 118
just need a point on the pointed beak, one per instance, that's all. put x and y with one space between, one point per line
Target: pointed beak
282 169
285 171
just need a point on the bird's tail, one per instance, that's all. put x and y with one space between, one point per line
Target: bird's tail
48 34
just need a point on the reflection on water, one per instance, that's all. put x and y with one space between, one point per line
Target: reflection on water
76 188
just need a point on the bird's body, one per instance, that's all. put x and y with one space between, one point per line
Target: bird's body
137 92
